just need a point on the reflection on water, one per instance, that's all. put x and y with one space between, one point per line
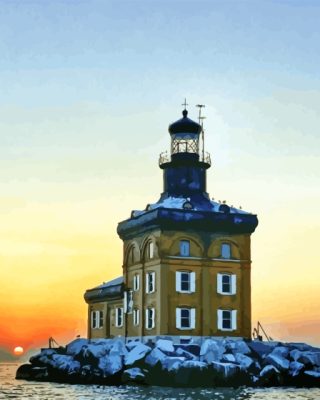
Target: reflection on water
13 389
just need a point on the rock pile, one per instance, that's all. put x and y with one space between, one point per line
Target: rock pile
224 362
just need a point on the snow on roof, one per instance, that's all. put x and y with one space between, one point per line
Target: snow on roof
178 202
113 282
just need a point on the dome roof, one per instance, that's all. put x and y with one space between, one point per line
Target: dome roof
184 125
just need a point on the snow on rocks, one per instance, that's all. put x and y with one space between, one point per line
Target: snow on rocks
136 354
295 368
229 358
65 363
238 346
226 369
110 365
223 362
154 357
75 346
269 371
172 363
165 345
310 358
277 361
244 361
211 350
133 375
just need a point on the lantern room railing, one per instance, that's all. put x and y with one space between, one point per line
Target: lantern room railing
165 158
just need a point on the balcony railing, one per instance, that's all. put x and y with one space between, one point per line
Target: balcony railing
165 158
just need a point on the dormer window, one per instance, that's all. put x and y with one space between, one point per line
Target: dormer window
184 248
225 250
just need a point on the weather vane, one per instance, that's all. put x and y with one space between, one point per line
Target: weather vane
200 117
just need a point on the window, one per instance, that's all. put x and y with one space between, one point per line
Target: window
119 317
150 320
185 282
128 301
226 283
225 250
185 318
136 282
184 248
136 317
96 319
150 282
227 320
150 250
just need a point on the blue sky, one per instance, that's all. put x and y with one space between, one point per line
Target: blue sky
87 90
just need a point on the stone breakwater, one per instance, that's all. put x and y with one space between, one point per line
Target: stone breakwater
224 362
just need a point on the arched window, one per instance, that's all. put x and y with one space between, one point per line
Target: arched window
131 256
150 250
184 248
225 250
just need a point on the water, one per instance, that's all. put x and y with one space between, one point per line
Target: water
13 389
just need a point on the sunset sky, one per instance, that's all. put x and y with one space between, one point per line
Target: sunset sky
88 89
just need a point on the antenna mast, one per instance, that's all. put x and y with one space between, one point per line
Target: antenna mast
201 118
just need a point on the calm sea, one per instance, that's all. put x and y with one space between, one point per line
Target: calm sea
13 389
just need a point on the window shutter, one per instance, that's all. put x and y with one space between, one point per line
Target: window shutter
125 301
153 317
192 282
233 284
137 317
147 282
234 319
219 319
178 318
151 250
130 302
93 313
147 314
219 283
178 281
192 318
137 282
153 274
100 319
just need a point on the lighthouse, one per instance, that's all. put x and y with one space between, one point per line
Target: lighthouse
186 271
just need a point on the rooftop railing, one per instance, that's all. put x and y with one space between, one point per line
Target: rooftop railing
166 158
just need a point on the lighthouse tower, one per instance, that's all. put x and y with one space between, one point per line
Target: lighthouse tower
186 258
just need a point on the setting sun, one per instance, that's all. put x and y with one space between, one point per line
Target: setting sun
18 351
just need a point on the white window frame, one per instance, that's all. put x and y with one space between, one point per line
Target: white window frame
233 320
192 318
136 282
150 277
136 317
233 283
96 317
93 319
229 251
192 281
151 250
184 248
119 315
152 318
100 319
